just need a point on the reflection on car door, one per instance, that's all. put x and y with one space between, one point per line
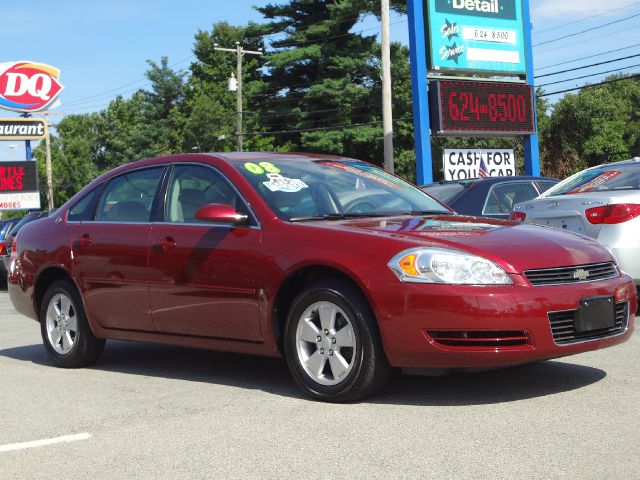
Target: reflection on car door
205 276
110 250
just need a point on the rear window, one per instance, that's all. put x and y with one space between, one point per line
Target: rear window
614 177
446 192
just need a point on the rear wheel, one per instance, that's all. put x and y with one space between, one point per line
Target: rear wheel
332 344
65 331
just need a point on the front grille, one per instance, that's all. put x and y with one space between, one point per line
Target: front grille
491 339
574 274
564 332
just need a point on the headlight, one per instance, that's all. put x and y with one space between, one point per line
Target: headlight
435 265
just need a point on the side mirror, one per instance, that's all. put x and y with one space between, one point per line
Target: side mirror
221 213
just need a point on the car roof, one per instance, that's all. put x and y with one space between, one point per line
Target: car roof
245 156
488 180
631 161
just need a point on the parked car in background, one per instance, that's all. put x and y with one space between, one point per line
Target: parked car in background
339 266
11 234
492 197
5 228
601 202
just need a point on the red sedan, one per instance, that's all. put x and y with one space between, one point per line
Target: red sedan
339 266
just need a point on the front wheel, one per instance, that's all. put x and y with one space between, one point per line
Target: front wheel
332 345
65 331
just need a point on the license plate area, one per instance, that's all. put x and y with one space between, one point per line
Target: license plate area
595 313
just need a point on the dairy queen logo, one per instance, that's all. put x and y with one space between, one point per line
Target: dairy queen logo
28 86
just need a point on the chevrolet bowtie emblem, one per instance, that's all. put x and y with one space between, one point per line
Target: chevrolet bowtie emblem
580 274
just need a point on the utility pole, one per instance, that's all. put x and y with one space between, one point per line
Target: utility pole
387 114
240 52
47 143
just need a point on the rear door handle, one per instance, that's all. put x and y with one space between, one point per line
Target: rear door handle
83 241
164 245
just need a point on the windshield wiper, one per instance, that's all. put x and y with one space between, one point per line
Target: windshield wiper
326 216
337 216
427 212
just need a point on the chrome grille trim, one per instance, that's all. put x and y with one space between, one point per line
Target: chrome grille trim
564 333
567 275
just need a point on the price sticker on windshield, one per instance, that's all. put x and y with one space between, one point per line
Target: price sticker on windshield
261 168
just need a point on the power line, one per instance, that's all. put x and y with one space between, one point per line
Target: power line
564 25
630 77
582 42
587 66
303 43
586 30
318 129
588 56
587 76
84 99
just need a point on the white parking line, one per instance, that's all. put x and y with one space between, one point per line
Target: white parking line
43 443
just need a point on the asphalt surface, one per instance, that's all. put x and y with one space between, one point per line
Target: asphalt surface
151 411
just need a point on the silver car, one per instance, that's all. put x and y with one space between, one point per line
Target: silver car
601 202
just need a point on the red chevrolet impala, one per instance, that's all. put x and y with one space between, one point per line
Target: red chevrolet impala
339 266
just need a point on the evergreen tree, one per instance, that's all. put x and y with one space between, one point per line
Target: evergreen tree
322 76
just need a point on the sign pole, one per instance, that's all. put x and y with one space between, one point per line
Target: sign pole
418 60
531 148
27 147
47 143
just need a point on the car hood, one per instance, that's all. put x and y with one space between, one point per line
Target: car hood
513 245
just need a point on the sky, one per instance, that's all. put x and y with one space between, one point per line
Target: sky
101 47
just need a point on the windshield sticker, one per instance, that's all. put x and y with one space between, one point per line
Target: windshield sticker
596 182
262 167
375 174
278 183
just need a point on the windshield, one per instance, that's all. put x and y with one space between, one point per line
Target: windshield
298 189
613 177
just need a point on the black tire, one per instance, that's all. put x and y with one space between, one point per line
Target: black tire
368 367
83 348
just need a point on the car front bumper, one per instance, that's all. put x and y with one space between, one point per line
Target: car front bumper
445 326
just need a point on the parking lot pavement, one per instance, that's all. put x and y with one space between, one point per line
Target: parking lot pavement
151 411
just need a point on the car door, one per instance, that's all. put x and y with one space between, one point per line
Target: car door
205 276
109 248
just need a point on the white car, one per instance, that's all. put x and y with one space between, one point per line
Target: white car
601 202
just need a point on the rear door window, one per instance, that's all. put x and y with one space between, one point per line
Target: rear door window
129 197
502 197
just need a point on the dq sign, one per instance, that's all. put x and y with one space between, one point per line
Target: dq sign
28 86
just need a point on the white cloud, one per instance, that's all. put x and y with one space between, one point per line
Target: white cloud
575 9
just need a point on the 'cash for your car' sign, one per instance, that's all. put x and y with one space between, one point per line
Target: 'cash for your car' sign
476 35
465 164
19 186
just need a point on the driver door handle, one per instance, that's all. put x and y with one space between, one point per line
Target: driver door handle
164 245
83 241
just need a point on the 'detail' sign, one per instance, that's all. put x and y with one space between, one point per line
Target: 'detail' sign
476 35
19 186
28 86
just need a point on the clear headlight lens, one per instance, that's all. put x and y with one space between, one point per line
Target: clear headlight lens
435 265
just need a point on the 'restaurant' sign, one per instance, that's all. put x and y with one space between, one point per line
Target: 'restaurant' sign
466 164
28 86
19 186
21 129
